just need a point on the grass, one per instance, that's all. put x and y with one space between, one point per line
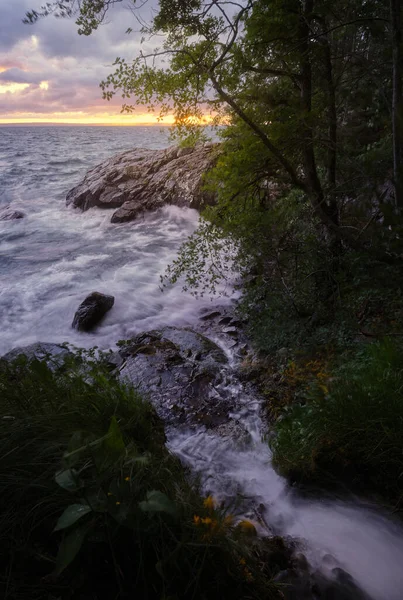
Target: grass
350 424
93 506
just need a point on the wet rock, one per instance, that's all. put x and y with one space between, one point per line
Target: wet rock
232 331
54 354
339 586
210 315
236 431
113 360
11 215
140 180
91 311
181 371
225 320
300 562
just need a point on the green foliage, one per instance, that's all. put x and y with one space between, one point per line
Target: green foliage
92 505
351 423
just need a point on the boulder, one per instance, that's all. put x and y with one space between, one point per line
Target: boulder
181 371
10 215
91 311
54 354
141 180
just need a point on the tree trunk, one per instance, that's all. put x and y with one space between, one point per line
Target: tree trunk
397 99
328 215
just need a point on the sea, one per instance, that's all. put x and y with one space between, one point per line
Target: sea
56 255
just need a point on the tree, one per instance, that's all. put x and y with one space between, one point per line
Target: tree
216 53
397 102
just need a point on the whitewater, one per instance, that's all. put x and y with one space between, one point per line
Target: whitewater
53 257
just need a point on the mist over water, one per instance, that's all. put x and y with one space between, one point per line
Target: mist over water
55 256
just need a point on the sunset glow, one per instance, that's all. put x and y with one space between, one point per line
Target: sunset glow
87 119
49 74
12 88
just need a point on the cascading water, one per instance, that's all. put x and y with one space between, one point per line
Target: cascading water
349 535
53 257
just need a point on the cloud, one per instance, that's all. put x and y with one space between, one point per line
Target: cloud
51 69
17 75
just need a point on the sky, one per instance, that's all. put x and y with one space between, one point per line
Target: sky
50 74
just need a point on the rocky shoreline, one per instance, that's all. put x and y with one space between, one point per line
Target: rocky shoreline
141 180
187 372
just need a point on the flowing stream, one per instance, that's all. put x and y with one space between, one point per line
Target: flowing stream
53 257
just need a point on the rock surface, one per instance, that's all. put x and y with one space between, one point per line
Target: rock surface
53 354
140 180
91 311
11 215
181 370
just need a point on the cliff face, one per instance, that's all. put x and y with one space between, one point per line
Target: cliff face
140 180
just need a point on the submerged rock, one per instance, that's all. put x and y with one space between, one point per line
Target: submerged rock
91 311
53 354
181 371
140 180
11 215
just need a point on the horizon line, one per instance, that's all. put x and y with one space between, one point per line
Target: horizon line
62 124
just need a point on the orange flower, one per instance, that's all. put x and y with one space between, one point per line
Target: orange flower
227 522
209 503
196 519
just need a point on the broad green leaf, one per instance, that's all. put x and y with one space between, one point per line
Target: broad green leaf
71 515
68 480
69 548
114 441
158 502
111 448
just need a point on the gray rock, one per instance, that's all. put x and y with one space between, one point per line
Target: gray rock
232 331
181 371
140 180
210 315
91 311
54 354
11 215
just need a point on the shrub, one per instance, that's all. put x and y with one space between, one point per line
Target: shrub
352 423
92 505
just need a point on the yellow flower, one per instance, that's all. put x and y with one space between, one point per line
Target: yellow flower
247 527
209 503
227 522
110 494
242 561
118 503
207 521
196 519
127 478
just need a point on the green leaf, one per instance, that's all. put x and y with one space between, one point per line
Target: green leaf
68 480
71 515
111 448
158 502
114 441
69 548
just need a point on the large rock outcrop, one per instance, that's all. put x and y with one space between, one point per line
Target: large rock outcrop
140 180
182 371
